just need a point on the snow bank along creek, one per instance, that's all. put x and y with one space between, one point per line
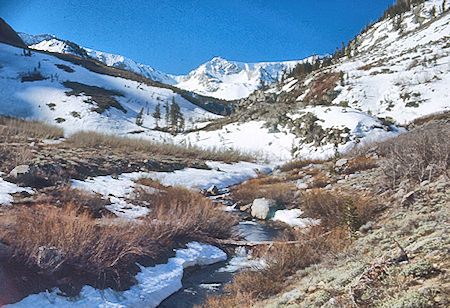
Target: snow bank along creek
180 282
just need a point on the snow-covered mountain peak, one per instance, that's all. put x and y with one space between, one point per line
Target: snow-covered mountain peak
218 77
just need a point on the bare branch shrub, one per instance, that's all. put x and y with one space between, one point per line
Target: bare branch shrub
418 155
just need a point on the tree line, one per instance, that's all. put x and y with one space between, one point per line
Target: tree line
173 117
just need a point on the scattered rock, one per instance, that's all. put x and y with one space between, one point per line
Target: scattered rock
341 162
312 289
212 191
245 208
263 208
408 199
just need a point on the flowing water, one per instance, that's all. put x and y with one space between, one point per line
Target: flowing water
198 282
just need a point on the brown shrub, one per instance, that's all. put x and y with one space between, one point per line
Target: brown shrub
93 139
282 192
60 196
360 163
282 260
187 214
337 208
320 180
77 241
432 117
13 129
12 156
418 155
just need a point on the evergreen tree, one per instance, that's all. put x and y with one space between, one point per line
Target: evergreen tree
139 119
176 117
167 109
157 114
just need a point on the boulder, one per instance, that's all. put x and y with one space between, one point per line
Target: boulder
408 199
38 176
263 208
19 171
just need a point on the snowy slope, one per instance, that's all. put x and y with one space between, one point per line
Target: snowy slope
396 71
217 78
47 99
402 74
392 75
53 44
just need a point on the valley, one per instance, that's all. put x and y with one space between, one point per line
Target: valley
316 182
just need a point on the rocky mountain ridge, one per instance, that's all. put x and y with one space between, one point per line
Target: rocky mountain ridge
218 77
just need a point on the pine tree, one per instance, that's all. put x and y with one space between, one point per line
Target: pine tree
157 114
167 109
175 117
139 119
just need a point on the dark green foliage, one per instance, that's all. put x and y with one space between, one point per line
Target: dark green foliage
139 120
400 7
65 68
176 117
167 109
305 68
157 114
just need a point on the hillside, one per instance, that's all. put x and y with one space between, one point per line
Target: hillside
394 72
217 78
42 86
321 182
389 75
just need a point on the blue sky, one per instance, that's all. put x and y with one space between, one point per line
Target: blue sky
177 36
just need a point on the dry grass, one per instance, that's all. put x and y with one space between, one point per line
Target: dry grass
282 192
186 213
418 155
77 241
360 163
298 164
67 240
320 180
60 196
336 209
14 156
94 140
13 129
432 117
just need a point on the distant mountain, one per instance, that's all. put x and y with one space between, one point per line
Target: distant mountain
217 78
233 80
51 43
